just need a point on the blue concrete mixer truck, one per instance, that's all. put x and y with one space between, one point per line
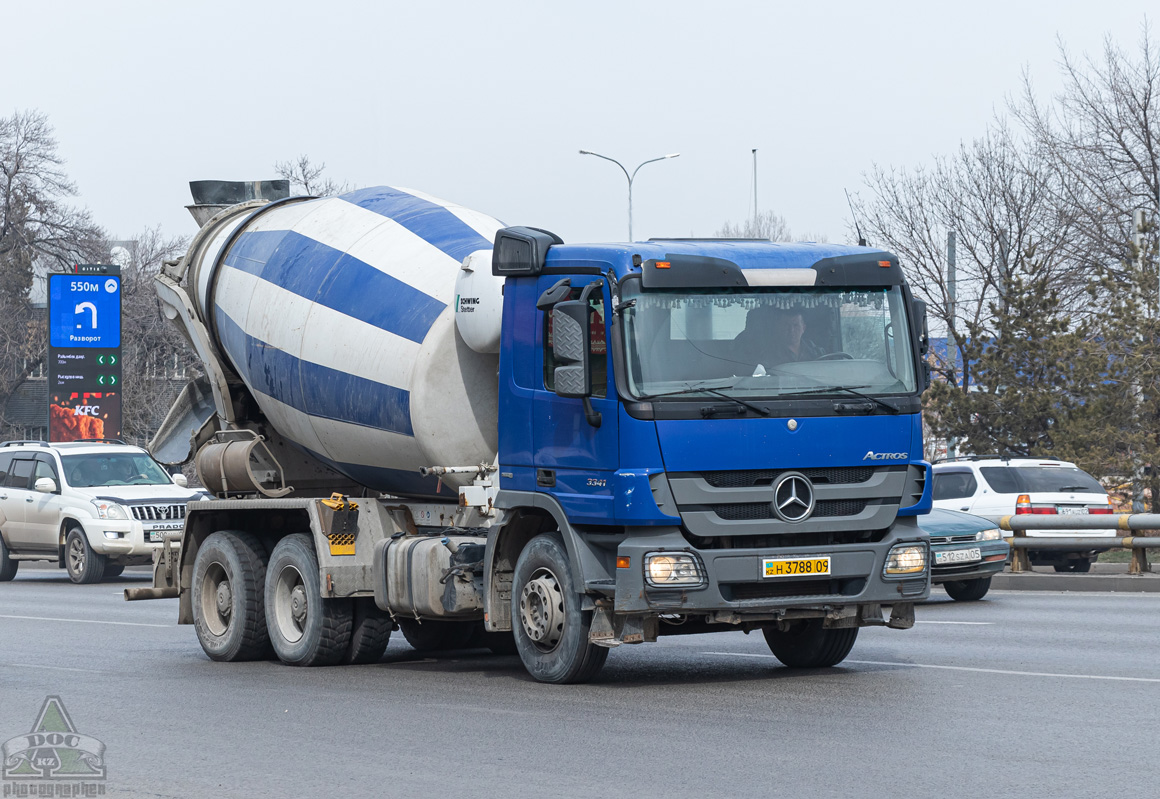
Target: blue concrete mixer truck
416 419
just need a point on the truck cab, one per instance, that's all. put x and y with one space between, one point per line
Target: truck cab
722 432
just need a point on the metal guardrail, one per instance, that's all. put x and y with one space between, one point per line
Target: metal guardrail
1021 543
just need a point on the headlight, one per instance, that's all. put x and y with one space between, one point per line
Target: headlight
905 559
671 569
993 534
109 510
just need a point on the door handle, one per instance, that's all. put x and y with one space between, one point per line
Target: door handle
29 499
965 507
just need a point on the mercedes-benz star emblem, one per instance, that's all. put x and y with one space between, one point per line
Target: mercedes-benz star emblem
793 499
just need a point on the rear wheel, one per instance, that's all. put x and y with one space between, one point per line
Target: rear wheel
83 564
968 590
229 614
550 629
305 629
808 645
370 631
8 566
433 636
1082 565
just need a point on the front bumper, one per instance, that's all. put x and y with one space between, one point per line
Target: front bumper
122 539
994 556
734 579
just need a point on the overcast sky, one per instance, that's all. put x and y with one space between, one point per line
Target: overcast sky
487 103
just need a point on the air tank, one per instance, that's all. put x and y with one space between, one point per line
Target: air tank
339 315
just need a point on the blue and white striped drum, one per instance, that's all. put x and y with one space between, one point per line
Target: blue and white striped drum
338 315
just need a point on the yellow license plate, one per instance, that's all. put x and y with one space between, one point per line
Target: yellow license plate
794 567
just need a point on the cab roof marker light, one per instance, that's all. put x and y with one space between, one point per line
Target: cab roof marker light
884 264
663 265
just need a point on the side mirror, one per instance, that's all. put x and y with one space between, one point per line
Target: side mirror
180 481
920 320
45 485
570 348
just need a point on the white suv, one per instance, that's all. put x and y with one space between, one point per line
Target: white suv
93 507
996 487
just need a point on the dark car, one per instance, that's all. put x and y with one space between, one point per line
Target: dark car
966 551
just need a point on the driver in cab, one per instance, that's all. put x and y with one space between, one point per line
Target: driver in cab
776 335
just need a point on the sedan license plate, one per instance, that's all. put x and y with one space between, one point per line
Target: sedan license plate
1071 510
794 567
958 556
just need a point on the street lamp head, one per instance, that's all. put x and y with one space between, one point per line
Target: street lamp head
585 152
672 155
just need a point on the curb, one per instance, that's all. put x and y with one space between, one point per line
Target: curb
1118 581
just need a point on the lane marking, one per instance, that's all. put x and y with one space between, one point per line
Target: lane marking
962 668
54 668
84 621
955 622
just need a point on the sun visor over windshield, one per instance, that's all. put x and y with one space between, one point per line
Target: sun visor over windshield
869 269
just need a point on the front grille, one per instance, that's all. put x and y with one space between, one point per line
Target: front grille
765 477
739 592
953 539
158 513
750 511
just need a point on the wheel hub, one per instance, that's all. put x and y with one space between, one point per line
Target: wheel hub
542 610
298 604
225 600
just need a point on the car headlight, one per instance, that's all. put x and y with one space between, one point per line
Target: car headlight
994 534
905 559
673 569
109 510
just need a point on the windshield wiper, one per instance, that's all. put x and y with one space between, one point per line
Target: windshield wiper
706 389
849 390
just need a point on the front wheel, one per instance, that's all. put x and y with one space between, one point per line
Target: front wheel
550 629
83 564
968 590
305 629
809 645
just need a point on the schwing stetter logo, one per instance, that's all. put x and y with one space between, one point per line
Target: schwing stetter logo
54 750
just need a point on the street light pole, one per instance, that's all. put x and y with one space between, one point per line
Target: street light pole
630 177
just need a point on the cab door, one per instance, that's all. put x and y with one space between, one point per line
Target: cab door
576 461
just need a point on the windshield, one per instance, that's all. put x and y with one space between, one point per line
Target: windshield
767 342
114 469
1028 479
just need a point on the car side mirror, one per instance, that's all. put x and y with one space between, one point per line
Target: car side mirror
920 319
45 485
180 481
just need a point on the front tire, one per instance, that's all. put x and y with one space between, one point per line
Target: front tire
84 566
305 629
808 645
968 590
113 569
550 629
229 613
8 566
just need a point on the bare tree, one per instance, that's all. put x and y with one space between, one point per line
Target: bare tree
1101 137
307 177
38 231
155 358
767 225
993 194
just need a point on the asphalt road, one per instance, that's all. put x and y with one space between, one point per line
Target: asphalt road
1023 694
